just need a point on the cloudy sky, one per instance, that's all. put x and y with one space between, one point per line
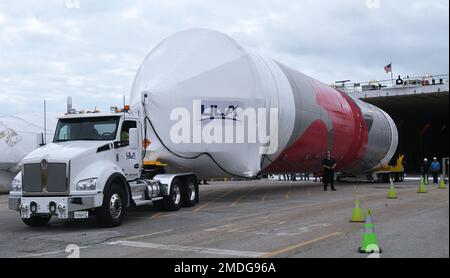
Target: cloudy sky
91 49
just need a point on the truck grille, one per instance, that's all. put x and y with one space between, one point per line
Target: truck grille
49 179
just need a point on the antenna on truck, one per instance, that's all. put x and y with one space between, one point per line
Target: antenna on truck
44 141
124 109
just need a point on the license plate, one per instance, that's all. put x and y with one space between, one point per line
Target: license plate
81 214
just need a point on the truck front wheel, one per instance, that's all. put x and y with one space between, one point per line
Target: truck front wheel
110 214
37 220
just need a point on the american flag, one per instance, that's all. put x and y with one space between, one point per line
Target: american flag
388 68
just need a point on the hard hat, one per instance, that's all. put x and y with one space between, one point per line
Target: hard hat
434 158
425 159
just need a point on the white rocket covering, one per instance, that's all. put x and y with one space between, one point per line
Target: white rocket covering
209 66
203 67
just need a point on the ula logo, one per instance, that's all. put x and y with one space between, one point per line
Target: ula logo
130 155
217 111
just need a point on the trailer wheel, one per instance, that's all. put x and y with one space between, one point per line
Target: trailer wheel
110 214
173 201
190 192
37 220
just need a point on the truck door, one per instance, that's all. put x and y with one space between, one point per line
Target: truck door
128 159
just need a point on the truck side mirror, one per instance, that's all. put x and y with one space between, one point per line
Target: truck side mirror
134 138
39 140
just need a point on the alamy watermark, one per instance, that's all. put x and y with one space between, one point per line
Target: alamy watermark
223 122
72 4
73 250
373 4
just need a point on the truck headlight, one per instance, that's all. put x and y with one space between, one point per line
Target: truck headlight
87 184
16 185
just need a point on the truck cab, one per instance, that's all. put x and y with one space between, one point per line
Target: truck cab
95 166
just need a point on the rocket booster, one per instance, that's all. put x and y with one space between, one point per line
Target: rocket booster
214 108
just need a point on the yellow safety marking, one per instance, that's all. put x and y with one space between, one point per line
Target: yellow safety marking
286 196
218 198
200 207
299 245
263 198
156 215
207 193
242 197
156 163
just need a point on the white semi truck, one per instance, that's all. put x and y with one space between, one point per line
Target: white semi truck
95 166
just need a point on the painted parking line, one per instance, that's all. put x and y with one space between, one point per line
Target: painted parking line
286 196
299 245
264 197
49 253
147 235
209 192
242 197
216 199
156 215
180 248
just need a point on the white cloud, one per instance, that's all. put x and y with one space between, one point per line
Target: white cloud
2 18
50 51
132 13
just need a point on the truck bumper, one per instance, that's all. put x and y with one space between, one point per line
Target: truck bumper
63 207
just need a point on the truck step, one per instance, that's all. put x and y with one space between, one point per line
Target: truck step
143 202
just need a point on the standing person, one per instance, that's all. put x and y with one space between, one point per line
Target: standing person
435 169
306 176
328 164
425 170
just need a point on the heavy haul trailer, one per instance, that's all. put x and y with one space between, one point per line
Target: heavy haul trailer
191 83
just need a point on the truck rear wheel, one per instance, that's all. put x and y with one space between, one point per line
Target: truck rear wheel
190 192
37 220
110 214
173 201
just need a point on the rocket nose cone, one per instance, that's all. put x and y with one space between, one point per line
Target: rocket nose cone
181 57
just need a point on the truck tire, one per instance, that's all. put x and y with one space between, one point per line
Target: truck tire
173 201
37 220
190 192
110 214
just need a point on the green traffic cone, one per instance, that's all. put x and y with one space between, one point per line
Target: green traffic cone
358 214
442 183
369 243
392 194
422 187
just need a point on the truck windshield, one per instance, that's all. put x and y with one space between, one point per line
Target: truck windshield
89 128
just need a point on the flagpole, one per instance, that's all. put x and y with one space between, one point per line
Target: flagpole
392 75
